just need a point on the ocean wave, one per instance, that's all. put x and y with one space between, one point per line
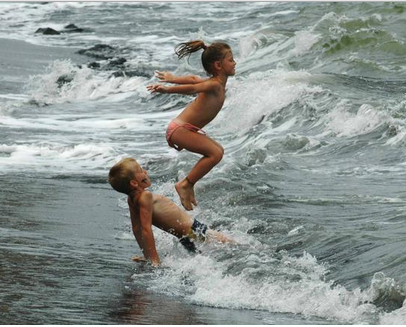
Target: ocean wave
64 81
265 281
313 127
346 124
57 157
253 99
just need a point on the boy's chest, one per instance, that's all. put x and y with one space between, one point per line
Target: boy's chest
213 101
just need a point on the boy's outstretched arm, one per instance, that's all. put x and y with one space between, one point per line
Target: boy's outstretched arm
170 78
206 86
143 230
135 225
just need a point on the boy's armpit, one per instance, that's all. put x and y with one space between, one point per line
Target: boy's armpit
145 199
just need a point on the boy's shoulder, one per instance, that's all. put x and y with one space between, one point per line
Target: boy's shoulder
214 81
143 198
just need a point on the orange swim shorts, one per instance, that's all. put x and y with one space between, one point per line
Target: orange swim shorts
173 126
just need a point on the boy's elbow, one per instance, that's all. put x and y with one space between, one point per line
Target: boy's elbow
196 79
146 231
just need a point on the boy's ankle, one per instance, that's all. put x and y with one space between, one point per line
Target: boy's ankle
189 182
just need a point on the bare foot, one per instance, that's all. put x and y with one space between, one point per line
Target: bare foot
186 194
192 196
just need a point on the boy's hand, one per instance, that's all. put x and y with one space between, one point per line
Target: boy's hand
137 258
164 76
157 88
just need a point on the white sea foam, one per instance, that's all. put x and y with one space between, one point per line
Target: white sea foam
57 157
204 280
304 40
66 82
396 317
81 124
346 124
253 99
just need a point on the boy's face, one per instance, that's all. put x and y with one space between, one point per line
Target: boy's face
140 176
229 64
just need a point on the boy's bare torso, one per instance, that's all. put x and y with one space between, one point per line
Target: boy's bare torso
165 215
204 108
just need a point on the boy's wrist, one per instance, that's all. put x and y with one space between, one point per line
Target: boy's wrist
155 263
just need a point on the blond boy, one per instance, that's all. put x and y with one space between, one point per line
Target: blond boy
147 209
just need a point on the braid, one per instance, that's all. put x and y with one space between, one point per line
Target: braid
187 48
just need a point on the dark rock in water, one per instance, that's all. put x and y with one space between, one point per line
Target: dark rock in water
131 73
78 30
93 65
99 51
72 28
117 62
102 47
47 31
64 79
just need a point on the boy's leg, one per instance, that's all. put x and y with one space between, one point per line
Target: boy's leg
213 236
212 154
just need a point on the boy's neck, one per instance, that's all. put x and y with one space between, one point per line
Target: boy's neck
134 194
222 78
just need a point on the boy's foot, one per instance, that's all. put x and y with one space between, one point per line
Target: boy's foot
186 194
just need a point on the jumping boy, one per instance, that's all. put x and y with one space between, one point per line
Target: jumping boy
147 209
185 131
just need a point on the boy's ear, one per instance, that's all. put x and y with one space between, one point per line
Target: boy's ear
133 183
217 65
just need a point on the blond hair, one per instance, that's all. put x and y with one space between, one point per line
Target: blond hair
121 174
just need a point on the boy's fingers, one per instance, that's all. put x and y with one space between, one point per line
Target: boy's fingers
152 88
137 258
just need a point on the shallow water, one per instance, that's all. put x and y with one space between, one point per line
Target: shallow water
311 184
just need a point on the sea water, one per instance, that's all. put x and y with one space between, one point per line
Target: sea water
311 185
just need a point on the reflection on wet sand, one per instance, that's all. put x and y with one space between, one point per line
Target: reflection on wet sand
143 307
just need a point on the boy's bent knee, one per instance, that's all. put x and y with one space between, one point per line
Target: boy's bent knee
217 155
